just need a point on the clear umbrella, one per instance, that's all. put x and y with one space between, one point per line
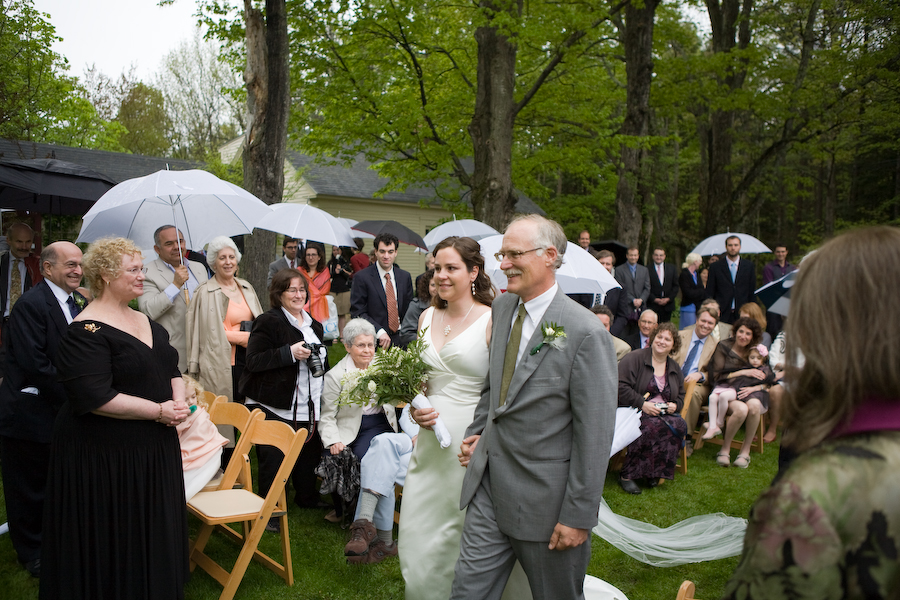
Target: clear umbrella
715 244
462 228
580 272
200 204
308 223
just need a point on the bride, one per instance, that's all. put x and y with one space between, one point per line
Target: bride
457 331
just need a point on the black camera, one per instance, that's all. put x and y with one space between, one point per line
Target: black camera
313 361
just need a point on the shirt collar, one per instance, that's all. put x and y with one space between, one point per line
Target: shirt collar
382 272
537 306
58 292
307 320
734 262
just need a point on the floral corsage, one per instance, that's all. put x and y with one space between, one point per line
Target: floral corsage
554 336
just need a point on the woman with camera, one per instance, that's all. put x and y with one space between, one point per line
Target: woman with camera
285 365
651 381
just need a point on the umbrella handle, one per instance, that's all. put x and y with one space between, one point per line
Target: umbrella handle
187 299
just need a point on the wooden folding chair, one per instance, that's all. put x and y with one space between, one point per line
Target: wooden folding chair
686 591
227 505
223 412
757 445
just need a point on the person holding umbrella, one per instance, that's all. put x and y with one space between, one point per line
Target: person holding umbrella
170 283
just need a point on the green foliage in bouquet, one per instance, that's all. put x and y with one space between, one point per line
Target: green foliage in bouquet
395 376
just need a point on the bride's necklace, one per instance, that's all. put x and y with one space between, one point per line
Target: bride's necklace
447 328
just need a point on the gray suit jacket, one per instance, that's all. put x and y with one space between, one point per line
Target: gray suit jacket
277 265
171 315
636 287
548 446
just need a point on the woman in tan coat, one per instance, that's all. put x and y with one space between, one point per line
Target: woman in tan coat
218 324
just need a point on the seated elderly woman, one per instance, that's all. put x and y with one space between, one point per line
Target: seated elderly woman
729 361
353 426
651 380
830 524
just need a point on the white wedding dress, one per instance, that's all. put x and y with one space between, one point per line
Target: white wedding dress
430 520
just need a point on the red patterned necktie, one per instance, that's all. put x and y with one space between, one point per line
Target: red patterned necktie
393 315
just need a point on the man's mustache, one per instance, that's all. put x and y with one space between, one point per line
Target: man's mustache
512 273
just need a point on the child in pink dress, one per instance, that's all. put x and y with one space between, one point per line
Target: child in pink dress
201 443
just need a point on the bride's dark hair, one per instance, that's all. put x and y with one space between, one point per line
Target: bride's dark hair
470 252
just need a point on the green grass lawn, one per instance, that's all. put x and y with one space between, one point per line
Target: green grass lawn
321 573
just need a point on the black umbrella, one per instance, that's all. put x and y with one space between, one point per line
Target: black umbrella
50 186
614 246
403 233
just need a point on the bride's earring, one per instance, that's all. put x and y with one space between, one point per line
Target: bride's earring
473 288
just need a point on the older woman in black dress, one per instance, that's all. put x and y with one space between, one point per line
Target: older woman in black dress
650 380
116 524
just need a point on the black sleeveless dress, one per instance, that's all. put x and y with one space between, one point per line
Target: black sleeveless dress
115 522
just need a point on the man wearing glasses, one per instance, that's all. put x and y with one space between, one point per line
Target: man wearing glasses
537 450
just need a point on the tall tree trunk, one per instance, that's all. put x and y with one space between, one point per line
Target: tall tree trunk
730 28
638 42
268 100
491 128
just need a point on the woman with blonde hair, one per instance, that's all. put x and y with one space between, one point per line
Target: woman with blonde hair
830 524
115 519
693 292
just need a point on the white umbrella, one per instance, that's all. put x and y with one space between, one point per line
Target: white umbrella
308 223
200 204
360 234
580 272
715 244
462 228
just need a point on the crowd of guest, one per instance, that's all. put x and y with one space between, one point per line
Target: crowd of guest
122 423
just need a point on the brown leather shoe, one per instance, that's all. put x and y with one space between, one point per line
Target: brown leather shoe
362 535
378 551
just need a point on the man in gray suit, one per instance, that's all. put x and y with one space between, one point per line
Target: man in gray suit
288 261
537 450
635 282
164 287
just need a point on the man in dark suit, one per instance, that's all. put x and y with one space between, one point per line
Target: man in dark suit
646 324
732 281
18 280
533 498
635 282
30 395
663 286
615 300
381 293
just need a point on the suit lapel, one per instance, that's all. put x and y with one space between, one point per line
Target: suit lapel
530 362
54 309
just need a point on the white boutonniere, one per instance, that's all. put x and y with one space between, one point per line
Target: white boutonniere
554 336
80 301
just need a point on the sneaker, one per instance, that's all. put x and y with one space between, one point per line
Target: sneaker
362 535
378 551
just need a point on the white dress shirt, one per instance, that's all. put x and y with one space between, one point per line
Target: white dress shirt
536 307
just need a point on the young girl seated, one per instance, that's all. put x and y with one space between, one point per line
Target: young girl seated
740 388
201 443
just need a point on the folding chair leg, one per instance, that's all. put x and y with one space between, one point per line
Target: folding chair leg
200 544
243 561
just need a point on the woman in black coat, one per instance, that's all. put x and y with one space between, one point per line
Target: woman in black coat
278 365
693 292
651 381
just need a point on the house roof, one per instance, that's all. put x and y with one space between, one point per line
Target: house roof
360 180
118 166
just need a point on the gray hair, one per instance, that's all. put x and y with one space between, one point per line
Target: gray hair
691 259
549 233
216 245
355 328
159 230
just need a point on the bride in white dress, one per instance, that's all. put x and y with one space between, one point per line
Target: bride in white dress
457 334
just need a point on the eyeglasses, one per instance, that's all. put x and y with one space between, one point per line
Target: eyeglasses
364 345
513 254
295 291
136 270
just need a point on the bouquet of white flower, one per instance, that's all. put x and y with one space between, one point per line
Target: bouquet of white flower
394 377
